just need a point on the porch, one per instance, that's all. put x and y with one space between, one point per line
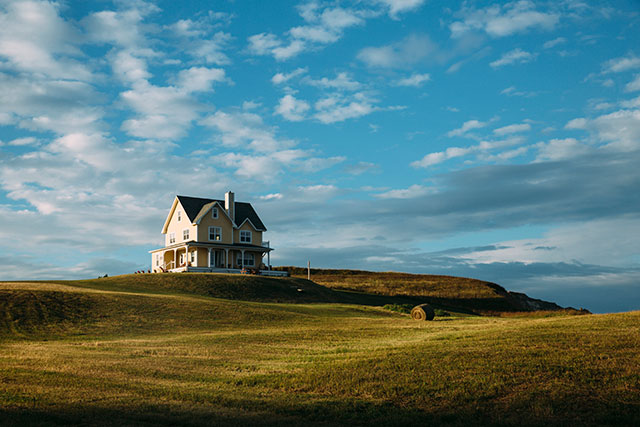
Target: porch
211 257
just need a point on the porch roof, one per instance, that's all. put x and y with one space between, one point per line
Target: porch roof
193 243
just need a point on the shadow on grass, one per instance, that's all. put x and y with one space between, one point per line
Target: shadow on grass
326 412
331 411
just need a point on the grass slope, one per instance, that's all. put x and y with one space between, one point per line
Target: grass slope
103 353
229 286
445 291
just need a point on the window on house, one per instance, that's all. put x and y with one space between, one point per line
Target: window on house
214 213
185 234
249 259
157 260
193 256
179 216
172 238
245 236
215 233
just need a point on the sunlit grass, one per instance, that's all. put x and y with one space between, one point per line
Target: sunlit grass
138 358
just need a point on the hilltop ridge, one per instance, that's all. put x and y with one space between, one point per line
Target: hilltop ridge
459 294
449 291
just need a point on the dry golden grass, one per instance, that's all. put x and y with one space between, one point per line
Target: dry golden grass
168 359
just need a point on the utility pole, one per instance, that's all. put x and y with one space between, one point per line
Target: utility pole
308 270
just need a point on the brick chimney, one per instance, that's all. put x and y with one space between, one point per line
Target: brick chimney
230 205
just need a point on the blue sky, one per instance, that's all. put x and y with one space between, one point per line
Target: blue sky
499 141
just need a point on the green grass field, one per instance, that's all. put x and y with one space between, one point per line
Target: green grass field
188 350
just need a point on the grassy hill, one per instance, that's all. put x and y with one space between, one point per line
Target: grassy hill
160 350
444 291
228 286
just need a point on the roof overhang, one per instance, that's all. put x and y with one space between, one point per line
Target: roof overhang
254 227
165 227
206 208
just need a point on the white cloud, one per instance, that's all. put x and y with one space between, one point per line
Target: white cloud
34 38
245 130
631 103
633 85
199 40
85 185
514 56
338 18
414 80
512 91
559 149
501 21
482 148
569 243
323 28
282 53
618 65
411 192
280 78
128 67
60 106
579 123
441 156
619 130
263 167
292 109
515 128
121 28
411 50
211 50
341 81
163 112
504 155
554 42
337 108
466 127
272 196
263 43
199 79
23 141
400 6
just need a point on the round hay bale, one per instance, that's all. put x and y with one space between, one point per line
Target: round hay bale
423 312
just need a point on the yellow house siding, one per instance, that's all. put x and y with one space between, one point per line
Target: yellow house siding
256 236
178 227
208 221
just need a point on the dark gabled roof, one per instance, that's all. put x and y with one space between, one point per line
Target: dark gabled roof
193 205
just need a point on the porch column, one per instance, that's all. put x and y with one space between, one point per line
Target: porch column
226 257
209 259
175 258
242 255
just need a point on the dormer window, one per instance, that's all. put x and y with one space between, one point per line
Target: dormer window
179 216
245 236
214 213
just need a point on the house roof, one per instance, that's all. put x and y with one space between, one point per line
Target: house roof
244 211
